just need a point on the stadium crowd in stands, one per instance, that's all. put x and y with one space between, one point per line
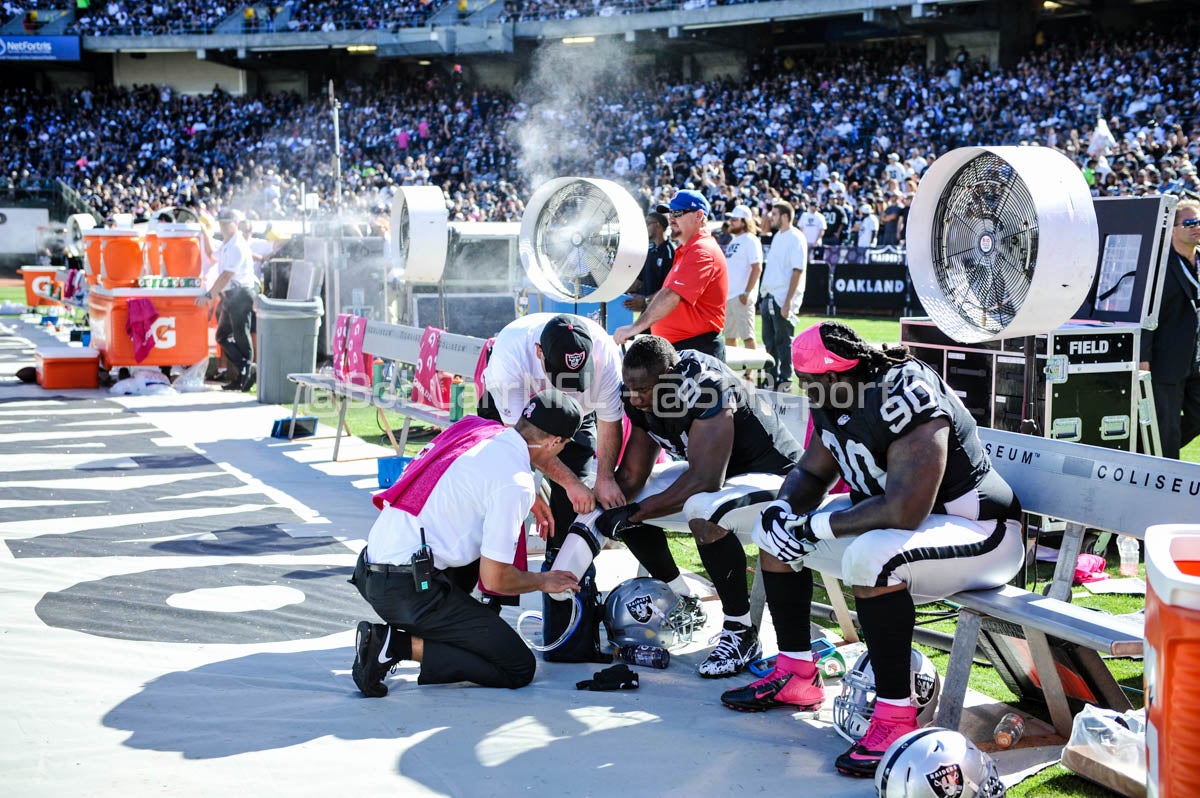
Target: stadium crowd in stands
160 17
845 132
151 17
534 10
309 15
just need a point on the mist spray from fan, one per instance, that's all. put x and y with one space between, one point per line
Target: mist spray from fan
563 94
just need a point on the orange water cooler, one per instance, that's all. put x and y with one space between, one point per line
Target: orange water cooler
174 251
113 257
41 285
180 331
1172 659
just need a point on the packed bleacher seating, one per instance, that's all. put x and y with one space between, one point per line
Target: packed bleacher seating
855 126
328 15
160 17
537 10
151 17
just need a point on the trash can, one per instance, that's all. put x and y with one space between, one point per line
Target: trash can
287 344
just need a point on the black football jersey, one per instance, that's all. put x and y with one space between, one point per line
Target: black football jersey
698 387
908 395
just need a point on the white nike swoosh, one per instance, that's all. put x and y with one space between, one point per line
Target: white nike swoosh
383 651
680 282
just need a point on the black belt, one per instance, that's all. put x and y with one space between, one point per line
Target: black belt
385 568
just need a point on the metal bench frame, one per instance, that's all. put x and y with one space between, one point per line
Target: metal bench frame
457 354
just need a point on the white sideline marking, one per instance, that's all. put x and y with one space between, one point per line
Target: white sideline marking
67 525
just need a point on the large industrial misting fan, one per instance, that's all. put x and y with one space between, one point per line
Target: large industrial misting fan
582 240
421 240
77 225
1003 242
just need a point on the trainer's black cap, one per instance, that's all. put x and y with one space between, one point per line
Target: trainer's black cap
567 352
554 412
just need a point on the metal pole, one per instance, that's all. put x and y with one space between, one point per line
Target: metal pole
335 107
1030 423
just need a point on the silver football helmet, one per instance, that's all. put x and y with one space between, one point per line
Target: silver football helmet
852 710
645 611
937 763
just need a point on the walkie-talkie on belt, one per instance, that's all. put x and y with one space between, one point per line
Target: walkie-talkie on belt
422 566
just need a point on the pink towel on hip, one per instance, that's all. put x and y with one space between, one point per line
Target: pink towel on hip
416 483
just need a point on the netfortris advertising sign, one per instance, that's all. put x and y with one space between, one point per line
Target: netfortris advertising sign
39 48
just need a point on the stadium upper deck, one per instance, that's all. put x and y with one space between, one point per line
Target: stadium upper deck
788 128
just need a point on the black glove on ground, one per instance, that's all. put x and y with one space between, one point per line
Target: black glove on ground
618 677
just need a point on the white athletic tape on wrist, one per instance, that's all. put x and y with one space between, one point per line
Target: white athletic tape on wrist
819 524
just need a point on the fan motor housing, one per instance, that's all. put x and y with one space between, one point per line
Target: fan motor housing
421 232
1002 241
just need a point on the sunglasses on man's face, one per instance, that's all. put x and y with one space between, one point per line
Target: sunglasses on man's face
1190 223
677 214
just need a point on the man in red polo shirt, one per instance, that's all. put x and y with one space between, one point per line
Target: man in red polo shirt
689 310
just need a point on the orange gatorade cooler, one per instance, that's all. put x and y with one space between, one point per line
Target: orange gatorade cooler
178 250
180 332
1172 659
39 285
114 256
150 257
91 256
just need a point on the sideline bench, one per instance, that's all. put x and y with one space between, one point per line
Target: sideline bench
1089 487
457 354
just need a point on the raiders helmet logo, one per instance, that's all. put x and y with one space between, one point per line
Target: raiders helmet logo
640 608
923 687
575 360
946 781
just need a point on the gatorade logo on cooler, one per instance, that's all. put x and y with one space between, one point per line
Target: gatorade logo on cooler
41 285
164 332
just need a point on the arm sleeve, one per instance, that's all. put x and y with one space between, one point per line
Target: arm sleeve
506 511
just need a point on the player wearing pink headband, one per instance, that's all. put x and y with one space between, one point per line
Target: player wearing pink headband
926 517
811 356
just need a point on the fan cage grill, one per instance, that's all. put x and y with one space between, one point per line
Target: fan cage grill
984 242
577 238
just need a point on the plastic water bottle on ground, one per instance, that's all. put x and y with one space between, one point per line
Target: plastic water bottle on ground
1009 730
646 656
1130 549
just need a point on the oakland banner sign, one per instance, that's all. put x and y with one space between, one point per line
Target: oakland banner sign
39 48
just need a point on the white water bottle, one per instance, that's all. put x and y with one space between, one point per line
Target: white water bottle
1130 549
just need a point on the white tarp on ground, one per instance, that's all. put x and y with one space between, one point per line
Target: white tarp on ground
176 620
